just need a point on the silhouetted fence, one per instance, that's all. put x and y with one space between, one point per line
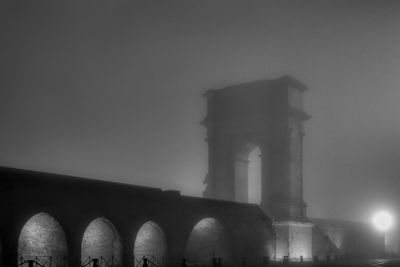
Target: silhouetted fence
100 262
41 261
149 261
153 261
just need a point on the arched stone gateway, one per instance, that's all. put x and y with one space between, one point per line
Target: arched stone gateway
208 239
268 114
151 242
43 239
102 241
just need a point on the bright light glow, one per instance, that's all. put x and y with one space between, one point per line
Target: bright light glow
382 220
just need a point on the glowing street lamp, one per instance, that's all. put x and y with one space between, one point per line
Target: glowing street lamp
382 221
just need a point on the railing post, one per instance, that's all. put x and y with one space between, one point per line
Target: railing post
95 262
145 264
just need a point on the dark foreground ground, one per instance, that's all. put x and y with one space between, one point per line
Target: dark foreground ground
365 263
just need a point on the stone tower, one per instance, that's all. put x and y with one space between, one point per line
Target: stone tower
267 114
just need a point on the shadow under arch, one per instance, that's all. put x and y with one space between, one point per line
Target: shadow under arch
151 242
42 238
102 241
209 238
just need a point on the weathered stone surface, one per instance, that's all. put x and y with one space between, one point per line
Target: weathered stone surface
266 114
208 239
294 240
101 239
151 243
42 236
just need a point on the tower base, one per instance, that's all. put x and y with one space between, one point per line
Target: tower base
293 241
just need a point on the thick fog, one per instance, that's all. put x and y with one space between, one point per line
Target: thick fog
112 90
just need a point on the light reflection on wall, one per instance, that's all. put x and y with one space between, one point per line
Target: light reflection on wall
207 239
269 244
300 241
282 241
101 239
293 239
43 236
150 242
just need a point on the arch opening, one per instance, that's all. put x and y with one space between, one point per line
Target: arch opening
43 239
254 176
151 242
102 241
208 239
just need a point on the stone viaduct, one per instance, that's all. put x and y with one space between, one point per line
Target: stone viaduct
72 219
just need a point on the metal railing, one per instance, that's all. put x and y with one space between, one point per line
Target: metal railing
146 261
149 261
41 261
100 262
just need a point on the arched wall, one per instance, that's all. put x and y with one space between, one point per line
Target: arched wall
151 242
209 238
101 240
42 236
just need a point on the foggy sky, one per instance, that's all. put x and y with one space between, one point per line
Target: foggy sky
112 90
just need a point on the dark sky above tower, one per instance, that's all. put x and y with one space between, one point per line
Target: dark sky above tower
112 90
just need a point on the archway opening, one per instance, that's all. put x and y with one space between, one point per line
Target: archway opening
151 243
102 241
42 239
208 239
254 176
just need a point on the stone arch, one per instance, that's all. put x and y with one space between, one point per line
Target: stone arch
208 238
270 114
151 242
101 240
43 237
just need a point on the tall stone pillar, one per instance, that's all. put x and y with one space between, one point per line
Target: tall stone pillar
267 114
